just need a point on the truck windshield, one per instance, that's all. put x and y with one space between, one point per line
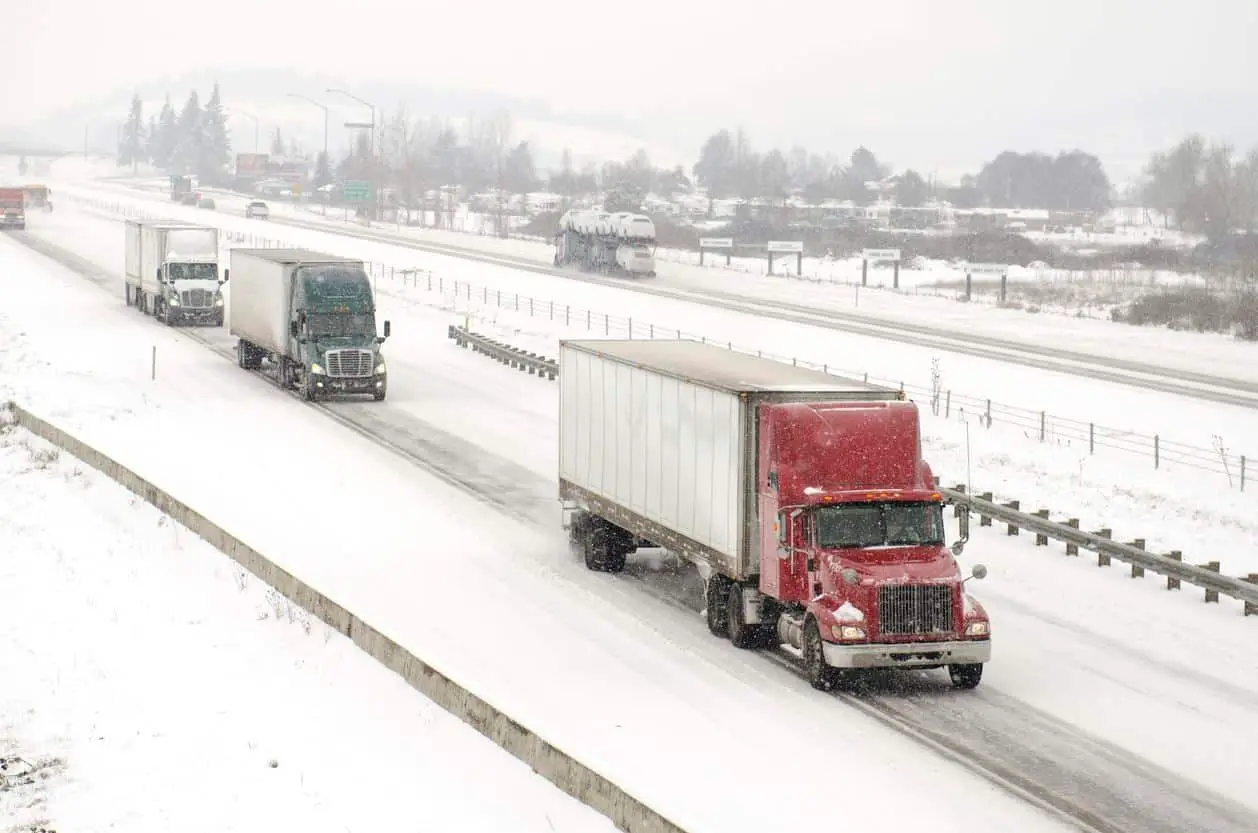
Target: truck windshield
879 525
192 271
341 324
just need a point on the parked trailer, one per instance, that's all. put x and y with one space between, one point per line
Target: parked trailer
172 272
802 498
313 316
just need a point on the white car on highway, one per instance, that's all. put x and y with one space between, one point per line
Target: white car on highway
257 209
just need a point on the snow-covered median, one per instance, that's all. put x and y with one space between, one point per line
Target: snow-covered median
150 684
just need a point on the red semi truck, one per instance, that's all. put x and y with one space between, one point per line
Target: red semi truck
801 497
13 208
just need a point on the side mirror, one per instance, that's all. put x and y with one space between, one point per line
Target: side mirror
978 571
292 329
388 329
227 273
958 547
159 274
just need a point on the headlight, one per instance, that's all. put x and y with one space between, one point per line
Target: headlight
381 369
173 300
977 629
218 300
316 368
847 632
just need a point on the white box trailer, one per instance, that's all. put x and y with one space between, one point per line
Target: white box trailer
172 271
658 436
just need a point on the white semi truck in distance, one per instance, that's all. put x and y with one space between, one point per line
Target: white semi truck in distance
598 241
172 272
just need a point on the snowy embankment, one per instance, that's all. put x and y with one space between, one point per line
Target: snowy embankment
150 684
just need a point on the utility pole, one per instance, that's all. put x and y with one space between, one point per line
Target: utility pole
375 166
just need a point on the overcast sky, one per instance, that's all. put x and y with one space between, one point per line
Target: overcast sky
926 83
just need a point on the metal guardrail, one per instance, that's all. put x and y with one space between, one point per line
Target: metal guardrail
505 353
1206 576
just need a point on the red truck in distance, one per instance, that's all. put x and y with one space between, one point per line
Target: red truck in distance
13 208
802 498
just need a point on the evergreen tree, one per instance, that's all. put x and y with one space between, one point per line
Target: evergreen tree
152 140
277 144
323 173
188 150
216 150
131 143
167 137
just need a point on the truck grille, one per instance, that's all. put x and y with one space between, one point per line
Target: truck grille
196 298
914 609
349 363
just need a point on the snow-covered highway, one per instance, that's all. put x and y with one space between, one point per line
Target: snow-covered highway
1067 703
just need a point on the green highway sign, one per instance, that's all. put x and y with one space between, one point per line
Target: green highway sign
356 191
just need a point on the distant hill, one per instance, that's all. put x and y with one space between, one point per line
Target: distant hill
264 94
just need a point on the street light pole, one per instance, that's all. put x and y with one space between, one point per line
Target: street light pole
326 159
253 119
374 162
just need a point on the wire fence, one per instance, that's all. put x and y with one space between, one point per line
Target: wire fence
1036 425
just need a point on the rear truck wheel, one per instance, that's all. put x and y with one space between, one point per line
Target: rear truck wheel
718 590
820 675
602 555
740 633
308 390
966 675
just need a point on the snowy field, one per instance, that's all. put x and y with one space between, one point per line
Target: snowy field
151 684
620 644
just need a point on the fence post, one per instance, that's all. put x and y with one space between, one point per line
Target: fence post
1157 452
1172 583
1043 420
1091 438
1041 540
989 413
1251 609
948 406
1072 549
1212 596
1136 570
1012 528
985 520
1102 558
1242 472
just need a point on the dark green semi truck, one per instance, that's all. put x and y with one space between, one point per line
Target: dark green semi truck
312 316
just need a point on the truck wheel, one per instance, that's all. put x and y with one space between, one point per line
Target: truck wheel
820 675
966 675
601 554
740 633
718 610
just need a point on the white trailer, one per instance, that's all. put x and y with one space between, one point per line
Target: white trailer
172 272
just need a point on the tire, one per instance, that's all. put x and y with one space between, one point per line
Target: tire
966 675
218 320
126 293
718 611
741 634
601 554
820 675
379 396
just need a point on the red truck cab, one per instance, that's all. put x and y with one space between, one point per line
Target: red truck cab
854 569
13 208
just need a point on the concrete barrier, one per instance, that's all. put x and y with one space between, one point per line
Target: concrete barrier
556 766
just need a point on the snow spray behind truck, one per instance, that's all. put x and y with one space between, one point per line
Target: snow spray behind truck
311 315
172 272
801 497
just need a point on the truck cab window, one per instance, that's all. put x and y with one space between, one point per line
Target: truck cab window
859 525
192 271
